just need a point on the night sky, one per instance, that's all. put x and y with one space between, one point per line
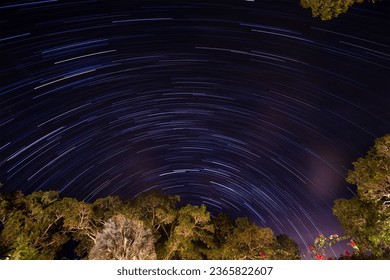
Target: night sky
253 108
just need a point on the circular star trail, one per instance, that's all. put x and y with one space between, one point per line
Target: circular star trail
253 108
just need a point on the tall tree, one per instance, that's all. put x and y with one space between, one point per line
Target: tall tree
33 226
224 226
80 223
106 207
123 239
192 235
247 241
85 220
157 210
371 174
366 218
285 249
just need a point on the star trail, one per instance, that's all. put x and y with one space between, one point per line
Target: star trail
253 108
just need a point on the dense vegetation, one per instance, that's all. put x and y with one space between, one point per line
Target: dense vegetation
328 9
366 217
43 225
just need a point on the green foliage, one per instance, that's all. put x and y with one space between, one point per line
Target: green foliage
107 207
242 239
328 9
39 225
80 223
32 228
286 249
248 241
224 227
362 221
366 218
321 243
158 210
192 235
21 249
42 224
371 174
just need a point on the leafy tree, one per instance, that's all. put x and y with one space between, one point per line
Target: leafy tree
224 227
43 225
285 249
233 238
32 229
247 242
4 211
123 239
371 174
363 223
192 235
79 222
328 9
105 208
8 204
321 243
366 218
85 220
157 210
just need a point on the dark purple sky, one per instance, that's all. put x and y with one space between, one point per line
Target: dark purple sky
252 108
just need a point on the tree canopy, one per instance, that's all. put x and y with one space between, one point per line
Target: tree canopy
366 218
328 9
43 225
123 238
